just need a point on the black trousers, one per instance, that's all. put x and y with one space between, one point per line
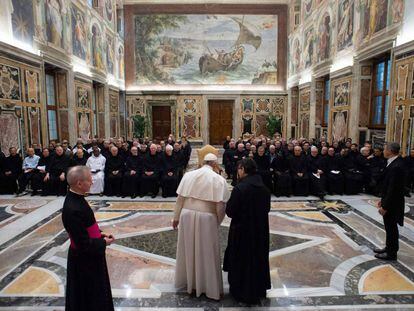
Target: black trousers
282 182
300 185
24 180
8 183
391 230
38 183
131 184
169 185
55 186
113 184
150 184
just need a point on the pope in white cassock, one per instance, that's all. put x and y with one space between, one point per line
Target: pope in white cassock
96 163
199 211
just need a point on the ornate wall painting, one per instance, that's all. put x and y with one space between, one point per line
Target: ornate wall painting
340 125
190 126
345 23
84 126
261 121
114 126
319 106
304 125
83 97
121 63
97 48
190 106
296 57
294 106
402 77
304 100
309 48
263 105
398 123
109 10
247 123
55 21
341 94
79 33
10 82
63 124
34 127
9 131
206 49
32 86
378 139
410 145
324 45
397 11
307 6
23 20
365 97
110 54
278 105
374 13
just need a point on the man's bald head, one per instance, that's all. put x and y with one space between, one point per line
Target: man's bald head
77 174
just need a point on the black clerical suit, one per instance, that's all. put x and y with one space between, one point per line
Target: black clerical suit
246 257
354 178
392 200
300 184
376 167
151 183
10 171
236 157
114 171
263 169
57 166
187 154
227 162
169 184
87 282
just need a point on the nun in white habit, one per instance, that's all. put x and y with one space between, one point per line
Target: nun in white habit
199 211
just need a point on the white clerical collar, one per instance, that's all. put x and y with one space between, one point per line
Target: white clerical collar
390 160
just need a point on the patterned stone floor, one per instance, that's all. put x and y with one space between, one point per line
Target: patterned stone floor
320 256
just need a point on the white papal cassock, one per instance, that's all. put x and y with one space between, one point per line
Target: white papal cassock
97 164
200 210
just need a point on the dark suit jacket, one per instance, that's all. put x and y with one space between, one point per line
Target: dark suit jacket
392 198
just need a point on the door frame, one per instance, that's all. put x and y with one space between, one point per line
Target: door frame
173 112
236 115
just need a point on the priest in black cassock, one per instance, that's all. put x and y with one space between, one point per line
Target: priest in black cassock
38 182
87 280
299 172
335 177
56 173
237 156
169 175
150 179
114 171
316 171
247 255
132 178
9 172
263 167
227 156
282 181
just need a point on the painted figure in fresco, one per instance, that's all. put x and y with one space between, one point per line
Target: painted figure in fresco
296 58
345 27
325 38
97 48
110 55
339 126
108 9
121 63
54 21
6 18
308 52
84 127
79 38
377 16
397 9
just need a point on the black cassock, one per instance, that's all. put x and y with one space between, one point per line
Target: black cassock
38 176
300 184
316 185
151 184
169 183
78 161
58 165
354 178
247 255
263 169
334 176
228 164
131 183
409 162
236 157
113 181
8 183
87 282
376 168
282 180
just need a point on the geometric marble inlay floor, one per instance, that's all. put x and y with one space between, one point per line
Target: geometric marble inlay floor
320 255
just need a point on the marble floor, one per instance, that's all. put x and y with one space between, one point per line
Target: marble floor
320 256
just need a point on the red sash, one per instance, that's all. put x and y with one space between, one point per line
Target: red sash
93 231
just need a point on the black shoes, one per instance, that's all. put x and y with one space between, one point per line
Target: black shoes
386 256
380 250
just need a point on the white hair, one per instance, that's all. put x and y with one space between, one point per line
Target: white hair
363 149
169 148
77 173
314 147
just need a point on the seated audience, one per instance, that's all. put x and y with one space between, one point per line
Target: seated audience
29 167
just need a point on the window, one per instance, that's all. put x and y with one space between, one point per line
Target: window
380 94
326 98
51 107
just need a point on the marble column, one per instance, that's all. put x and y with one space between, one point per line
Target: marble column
312 109
289 115
107 114
72 107
353 126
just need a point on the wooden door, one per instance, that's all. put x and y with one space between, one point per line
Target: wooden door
221 120
161 122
